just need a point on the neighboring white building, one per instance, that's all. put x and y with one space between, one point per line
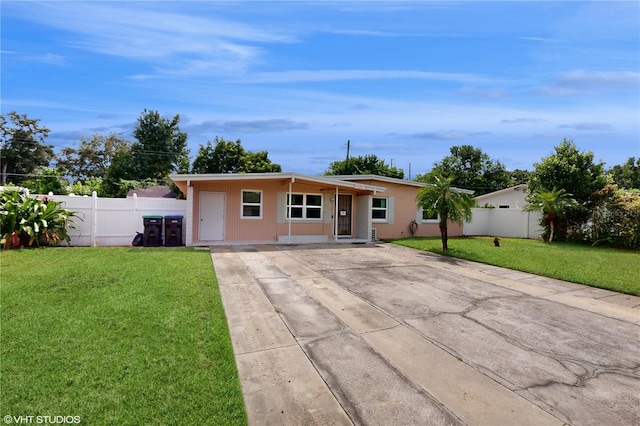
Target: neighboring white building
513 197
506 218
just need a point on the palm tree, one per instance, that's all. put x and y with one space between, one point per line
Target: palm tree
554 204
448 203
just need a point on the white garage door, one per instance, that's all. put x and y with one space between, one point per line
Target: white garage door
212 208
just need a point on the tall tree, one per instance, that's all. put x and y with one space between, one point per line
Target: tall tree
22 147
554 204
470 168
570 169
230 157
258 162
519 176
364 165
575 172
627 175
221 157
122 169
448 203
93 157
161 147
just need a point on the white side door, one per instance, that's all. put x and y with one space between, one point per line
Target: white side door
212 208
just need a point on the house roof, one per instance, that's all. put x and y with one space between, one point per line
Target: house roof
378 179
521 187
275 176
386 179
153 192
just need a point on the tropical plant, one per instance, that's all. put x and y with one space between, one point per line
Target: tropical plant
615 219
554 204
450 204
32 222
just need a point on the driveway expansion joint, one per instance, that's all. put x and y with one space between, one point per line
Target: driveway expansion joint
272 348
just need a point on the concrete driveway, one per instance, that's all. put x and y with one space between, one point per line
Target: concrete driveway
386 335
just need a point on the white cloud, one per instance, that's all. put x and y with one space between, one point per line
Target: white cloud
247 126
521 120
47 58
448 135
585 82
472 92
153 33
587 126
298 76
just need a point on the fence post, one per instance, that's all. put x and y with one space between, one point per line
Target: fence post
135 213
94 219
188 223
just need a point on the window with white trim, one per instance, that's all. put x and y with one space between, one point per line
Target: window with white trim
304 206
426 217
251 204
379 209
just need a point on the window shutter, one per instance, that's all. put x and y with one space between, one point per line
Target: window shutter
327 208
391 209
282 207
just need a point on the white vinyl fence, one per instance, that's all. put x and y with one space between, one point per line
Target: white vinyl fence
503 223
115 221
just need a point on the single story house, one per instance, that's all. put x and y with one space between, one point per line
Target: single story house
297 208
514 197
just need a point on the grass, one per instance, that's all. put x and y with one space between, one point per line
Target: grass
610 269
116 336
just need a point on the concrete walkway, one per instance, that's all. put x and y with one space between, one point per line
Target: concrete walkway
386 335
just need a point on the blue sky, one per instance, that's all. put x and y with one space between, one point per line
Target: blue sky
402 80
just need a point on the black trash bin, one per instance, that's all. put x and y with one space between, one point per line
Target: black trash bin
152 236
173 231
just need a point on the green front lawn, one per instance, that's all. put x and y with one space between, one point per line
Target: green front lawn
116 336
612 269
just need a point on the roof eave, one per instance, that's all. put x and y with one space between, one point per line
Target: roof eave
271 176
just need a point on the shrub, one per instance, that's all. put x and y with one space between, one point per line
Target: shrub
32 222
615 220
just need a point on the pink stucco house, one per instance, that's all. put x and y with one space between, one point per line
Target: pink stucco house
298 208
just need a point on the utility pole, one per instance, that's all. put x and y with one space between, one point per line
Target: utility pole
409 171
348 147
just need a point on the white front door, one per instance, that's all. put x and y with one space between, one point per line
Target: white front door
212 208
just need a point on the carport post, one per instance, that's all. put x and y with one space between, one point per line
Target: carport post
335 217
289 207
